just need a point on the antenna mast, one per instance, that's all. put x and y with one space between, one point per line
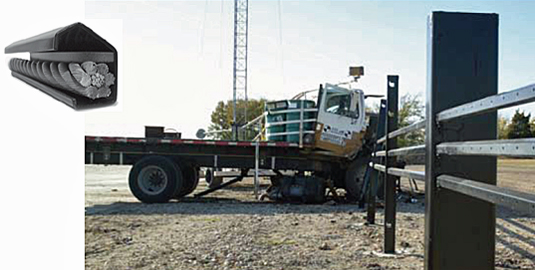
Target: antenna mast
241 18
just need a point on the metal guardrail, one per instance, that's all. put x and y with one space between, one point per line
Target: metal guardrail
512 98
403 151
519 201
449 218
417 175
509 148
404 130
506 148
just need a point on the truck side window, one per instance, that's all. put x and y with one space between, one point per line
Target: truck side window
340 105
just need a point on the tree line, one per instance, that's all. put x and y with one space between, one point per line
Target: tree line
519 126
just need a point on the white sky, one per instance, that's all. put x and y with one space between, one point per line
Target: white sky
177 56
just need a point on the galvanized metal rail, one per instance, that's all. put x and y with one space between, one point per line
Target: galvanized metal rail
403 151
519 201
404 130
460 121
512 98
508 148
417 175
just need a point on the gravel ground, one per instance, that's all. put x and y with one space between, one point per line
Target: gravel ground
229 230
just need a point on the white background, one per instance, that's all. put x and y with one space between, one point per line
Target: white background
41 149
42 140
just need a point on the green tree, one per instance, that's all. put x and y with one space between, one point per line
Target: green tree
520 126
411 111
502 127
221 117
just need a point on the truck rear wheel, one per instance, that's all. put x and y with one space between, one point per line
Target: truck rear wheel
155 179
191 180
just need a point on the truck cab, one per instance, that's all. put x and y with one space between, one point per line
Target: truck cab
341 123
334 123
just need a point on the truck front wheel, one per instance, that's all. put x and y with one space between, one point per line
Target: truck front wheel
354 180
155 179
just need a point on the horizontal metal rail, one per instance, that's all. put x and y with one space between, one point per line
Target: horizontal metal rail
404 130
510 148
404 151
410 128
254 121
208 133
379 167
293 111
418 175
381 153
290 122
382 139
289 133
513 199
512 98
408 151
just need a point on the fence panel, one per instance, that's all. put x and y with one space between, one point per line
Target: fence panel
461 146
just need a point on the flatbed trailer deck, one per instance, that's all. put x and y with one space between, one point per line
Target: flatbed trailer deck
167 168
207 153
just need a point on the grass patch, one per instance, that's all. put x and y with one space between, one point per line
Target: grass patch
280 242
207 219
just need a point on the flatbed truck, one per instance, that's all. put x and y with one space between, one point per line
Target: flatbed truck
334 154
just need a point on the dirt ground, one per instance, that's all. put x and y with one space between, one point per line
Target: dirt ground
228 229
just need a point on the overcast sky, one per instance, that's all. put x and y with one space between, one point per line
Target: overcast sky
177 56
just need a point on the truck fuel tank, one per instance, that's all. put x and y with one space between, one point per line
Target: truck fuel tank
306 189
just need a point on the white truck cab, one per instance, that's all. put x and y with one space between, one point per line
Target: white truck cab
341 122
335 122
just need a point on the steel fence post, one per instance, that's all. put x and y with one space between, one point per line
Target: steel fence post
390 180
462 66
374 174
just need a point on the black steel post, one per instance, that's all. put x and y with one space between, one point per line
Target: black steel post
390 180
462 67
373 176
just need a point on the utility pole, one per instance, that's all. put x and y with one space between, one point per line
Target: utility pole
241 21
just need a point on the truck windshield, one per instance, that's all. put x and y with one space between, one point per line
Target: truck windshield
340 104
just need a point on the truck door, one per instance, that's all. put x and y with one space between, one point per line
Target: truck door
341 120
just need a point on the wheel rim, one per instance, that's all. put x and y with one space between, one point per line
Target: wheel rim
152 180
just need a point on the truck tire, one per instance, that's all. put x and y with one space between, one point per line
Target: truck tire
208 176
191 180
211 180
216 181
155 179
354 181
